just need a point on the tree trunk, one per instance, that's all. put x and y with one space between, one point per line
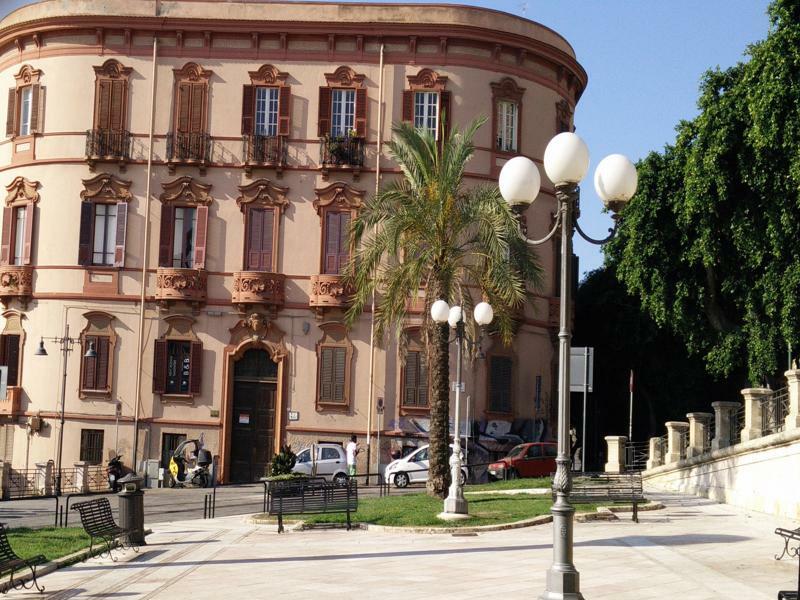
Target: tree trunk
439 435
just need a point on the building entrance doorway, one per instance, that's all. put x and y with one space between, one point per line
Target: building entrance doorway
255 382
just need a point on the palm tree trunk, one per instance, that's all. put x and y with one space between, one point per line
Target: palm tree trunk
439 451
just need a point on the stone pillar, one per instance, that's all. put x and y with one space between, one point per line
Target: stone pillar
698 429
674 447
44 478
82 477
752 412
616 453
5 471
793 383
655 457
725 421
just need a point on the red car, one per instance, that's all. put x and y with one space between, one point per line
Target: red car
534 459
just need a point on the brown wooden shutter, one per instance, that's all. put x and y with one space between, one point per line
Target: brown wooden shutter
36 109
200 238
160 367
197 107
500 384
11 358
445 109
8 224
248 109
102 348
285 110
27 247
324 116
408 105
103 106
410 379
361 112
339 364
255 232
184 96
196 368
117 105
90 365
326 374
11 115
122 226
267 241
343 242
167 230
422 381
85 245
331 242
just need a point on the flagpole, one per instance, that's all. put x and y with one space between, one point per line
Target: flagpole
630 413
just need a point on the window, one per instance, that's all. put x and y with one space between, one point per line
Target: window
500 384
191 100
184 222
420 456
507 126
550 450
259 238
266 103
415 380
183 239
9 356
18 216
426 112
534 452
111 96
95 370
178 359
334 353
179 362
304 456
23 115
103 223
25 111
336 242
343 105
330 454
92 446
20 213
105 234
343 111
266 111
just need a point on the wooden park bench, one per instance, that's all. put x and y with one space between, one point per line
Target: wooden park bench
98 522
11 563
303 497
608 487
791 548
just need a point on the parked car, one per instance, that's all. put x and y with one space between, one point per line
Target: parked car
534 459
414 468
330 462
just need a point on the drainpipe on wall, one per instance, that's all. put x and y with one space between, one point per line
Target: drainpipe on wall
145 258
372 310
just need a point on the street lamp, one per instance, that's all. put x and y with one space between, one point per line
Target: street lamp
566 161
66 344
455 505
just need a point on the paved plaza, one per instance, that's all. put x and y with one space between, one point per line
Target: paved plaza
694 549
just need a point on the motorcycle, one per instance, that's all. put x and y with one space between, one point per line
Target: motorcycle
114 472
192 471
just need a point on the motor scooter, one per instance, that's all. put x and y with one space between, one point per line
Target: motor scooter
192 471
114 472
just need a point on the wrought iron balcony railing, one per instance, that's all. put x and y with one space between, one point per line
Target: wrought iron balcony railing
108 144
342 151
189 148
264 150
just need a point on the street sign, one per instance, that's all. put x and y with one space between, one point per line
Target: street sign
380 406
578 358
454 386
294 415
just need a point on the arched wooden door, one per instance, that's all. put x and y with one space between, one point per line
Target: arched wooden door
255 381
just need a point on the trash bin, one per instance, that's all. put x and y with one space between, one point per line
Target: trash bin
131 507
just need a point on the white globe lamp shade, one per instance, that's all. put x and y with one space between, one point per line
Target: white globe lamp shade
566 159
454 316
439 311
615 179
483 313
519 181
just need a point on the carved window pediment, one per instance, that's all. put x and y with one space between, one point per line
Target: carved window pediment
337 196
192 72
507 89
27 75
345 76
185 190
106 188
262 192
22 191
180 327
113 69
268 75
427 79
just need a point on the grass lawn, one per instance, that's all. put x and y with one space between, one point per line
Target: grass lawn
511 484
420 510
52 542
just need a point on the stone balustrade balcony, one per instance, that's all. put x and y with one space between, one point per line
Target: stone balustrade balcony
16 281
328 291
258 287
187 285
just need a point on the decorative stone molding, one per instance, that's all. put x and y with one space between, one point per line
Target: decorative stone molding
189 285
563 116
345 76
752 412
259 329
338 196
262 192
427 79
254 287
22 191
675 449
506 89
180 327
192 72
106 188
27 75
185 190
268 75
113 69
724 426
616 453
328 291
698 432
16 281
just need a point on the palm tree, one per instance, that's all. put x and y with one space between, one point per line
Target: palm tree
428 231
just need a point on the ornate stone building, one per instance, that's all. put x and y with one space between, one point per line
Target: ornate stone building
180 177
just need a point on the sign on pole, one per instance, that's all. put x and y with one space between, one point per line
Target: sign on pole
577 369
3 381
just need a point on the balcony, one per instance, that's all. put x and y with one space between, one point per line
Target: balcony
188 149
16 281
107 145
187 285
328 291
10 405
264 151
341 153
256 287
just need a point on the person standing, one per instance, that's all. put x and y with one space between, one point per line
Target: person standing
352 450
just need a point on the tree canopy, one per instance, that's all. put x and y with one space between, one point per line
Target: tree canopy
710 241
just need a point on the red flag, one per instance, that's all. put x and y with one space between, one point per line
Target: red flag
631 385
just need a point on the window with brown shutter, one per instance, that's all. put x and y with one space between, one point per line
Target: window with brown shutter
259 238
336 242
427 104
103 222
184 224
415 380
500 384
109 137
25 106
96 372
334 353
178 359
19 215
506 115
9 356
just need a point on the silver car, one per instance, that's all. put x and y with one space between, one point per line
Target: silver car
329 462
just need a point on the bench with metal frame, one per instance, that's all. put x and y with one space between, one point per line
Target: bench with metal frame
790 535
98 522
303 497
10 563
608 487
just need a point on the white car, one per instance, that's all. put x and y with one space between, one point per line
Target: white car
414 468
330 462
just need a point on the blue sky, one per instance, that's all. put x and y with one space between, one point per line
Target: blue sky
644 58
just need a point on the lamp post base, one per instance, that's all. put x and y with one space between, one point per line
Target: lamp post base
562 585
455 507
452 516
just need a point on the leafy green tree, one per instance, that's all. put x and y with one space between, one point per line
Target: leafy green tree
428 231
709 242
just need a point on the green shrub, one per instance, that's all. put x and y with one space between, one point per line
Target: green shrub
283 462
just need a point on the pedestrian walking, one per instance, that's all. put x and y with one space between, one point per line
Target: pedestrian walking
352 449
